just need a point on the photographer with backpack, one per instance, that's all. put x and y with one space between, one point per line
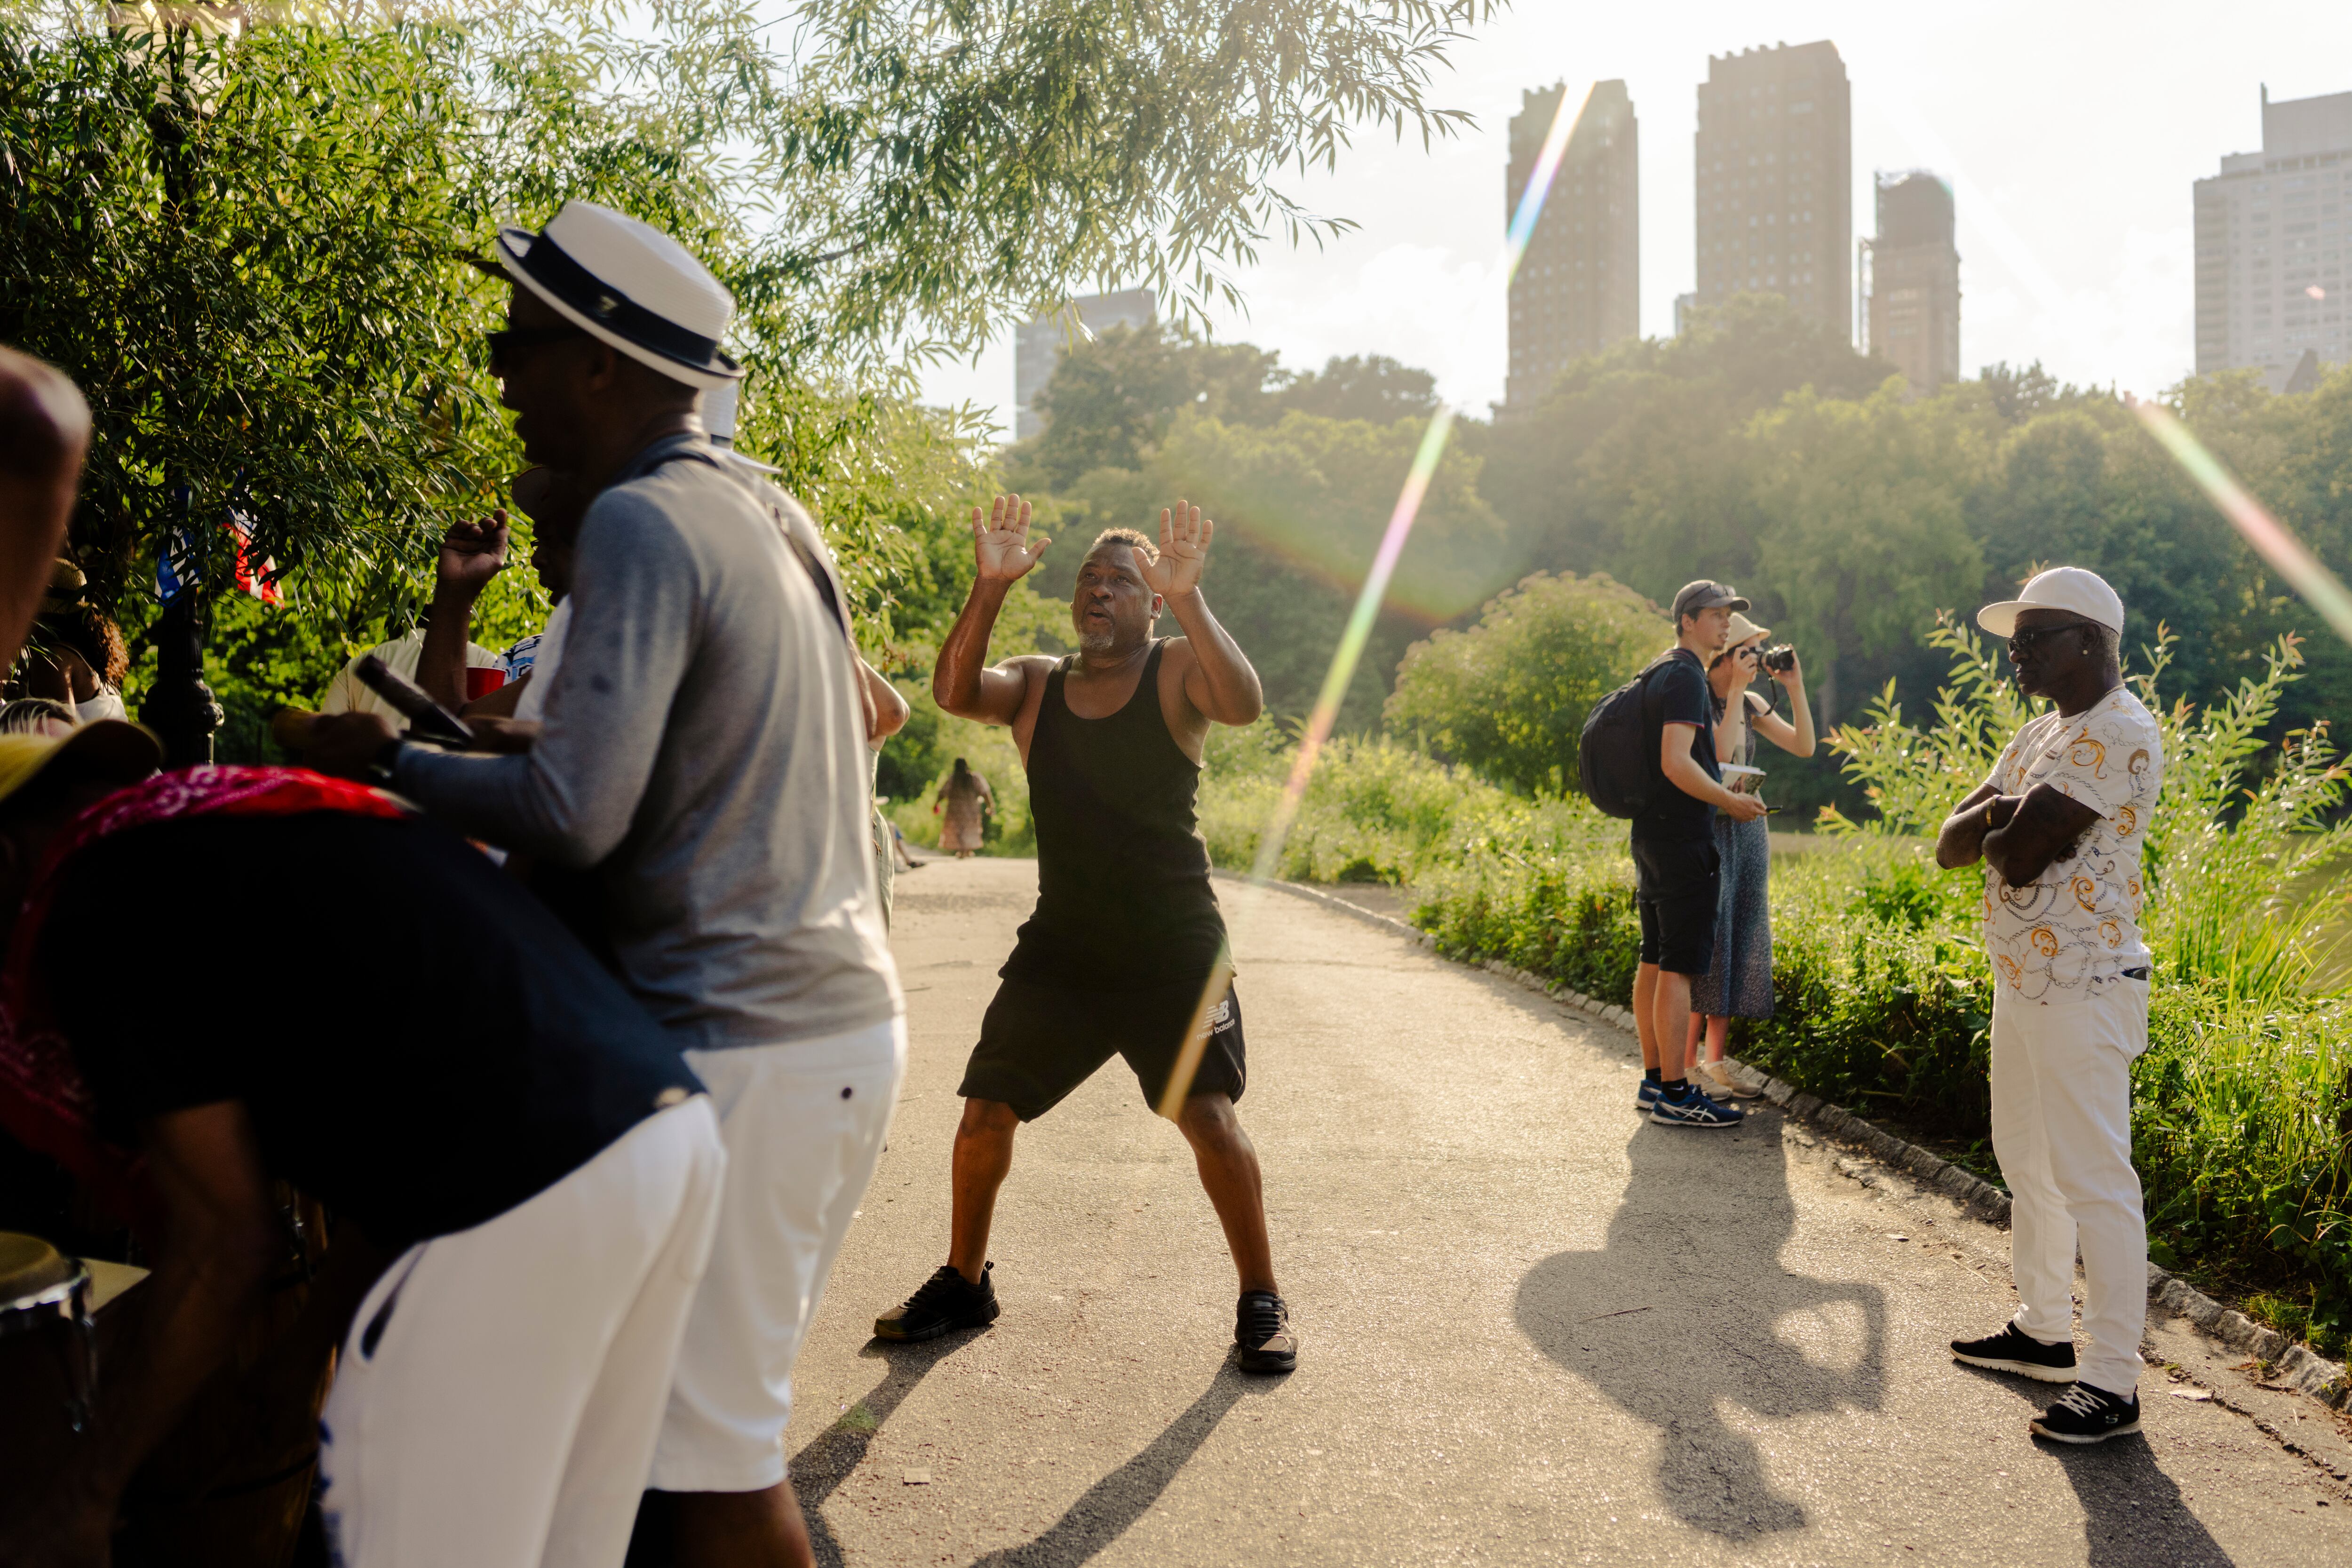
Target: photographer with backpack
1671 787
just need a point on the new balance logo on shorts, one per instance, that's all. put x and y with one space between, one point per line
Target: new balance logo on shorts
1219 1018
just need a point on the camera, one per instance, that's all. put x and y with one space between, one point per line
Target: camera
1778 659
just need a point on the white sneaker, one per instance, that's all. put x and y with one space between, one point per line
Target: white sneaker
1723 1085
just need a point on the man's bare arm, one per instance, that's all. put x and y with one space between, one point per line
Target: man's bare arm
1220 683
44 435
471 554
1683 771
962 682
2044 829
1960 841
222 1235
886 707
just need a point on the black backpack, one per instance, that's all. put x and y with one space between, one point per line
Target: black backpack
1616 760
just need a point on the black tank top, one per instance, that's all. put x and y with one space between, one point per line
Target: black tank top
1123 896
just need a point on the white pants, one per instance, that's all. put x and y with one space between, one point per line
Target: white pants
496 1402
2062 1131
804 1121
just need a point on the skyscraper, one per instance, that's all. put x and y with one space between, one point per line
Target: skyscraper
1579 287
2271 230
1913 298
1775 181
1037 346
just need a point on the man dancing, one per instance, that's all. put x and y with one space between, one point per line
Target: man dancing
1127 929
2059 827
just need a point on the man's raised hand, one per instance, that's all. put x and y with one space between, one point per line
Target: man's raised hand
1183 549
1001 541
471 554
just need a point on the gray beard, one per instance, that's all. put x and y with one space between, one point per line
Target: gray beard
1097 642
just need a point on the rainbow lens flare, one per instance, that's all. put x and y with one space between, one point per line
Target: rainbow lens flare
1351 650
2287 555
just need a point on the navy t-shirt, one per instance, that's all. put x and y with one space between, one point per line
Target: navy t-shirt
420 1044
1678 694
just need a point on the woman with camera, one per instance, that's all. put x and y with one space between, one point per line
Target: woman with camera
1738 983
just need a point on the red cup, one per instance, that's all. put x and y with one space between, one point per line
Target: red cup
481 680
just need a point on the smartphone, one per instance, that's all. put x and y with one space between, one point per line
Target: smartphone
427 719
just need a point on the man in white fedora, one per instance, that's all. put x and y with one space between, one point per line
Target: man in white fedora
2059 825
703 750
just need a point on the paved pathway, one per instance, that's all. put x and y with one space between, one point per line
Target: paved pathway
1536 1330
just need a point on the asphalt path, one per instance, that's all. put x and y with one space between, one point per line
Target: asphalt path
1534 1328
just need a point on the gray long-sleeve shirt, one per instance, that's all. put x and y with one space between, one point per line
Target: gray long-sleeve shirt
704 748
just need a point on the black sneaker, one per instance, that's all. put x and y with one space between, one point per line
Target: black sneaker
2087 1415
1261 1329
2014 1350
948 1301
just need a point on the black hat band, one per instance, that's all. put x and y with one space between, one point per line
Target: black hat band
551 268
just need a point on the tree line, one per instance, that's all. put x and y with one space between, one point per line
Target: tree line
1757 448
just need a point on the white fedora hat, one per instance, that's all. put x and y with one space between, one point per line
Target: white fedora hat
2068 588
628 284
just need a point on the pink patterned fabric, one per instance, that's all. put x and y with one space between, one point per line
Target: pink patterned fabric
44 1102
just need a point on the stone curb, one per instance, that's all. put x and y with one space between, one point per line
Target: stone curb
2297 1367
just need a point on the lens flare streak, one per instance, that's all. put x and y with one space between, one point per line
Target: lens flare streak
1350 652
2286 554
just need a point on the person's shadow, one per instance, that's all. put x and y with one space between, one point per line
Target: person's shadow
2132 1511
1099 1517
1681 1309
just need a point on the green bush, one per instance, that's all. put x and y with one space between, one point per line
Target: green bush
1510 696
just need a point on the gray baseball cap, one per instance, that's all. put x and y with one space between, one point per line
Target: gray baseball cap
1705 595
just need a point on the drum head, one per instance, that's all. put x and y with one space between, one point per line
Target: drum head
30 1268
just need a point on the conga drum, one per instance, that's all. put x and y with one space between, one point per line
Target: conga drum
48 1358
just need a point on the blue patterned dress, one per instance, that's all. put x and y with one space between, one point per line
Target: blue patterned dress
1739 982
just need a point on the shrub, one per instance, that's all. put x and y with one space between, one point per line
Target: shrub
1510 696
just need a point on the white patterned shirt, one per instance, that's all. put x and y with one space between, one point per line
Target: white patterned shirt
2077 925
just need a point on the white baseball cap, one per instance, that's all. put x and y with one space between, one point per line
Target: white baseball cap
2068 588
629 284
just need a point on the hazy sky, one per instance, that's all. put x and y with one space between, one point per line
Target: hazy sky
2069 129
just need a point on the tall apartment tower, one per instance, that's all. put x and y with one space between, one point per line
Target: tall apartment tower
1775 181
2271 245
1912 309
1037 346
1579 287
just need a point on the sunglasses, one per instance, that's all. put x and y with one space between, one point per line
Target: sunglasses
505 343
2026 641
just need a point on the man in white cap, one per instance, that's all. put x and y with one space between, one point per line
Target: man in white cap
702 749
2059 825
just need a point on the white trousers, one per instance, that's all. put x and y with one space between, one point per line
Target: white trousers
804 1121
2062 1131
496 1402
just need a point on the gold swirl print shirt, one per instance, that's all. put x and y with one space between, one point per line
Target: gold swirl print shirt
2077 925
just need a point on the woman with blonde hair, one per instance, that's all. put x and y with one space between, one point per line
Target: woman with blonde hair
1739 982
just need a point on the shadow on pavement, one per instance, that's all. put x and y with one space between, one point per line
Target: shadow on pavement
828 1458
1688 1304
1127 1494
2132 1511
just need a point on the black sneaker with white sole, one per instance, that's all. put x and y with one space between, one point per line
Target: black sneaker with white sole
948 1301
2087 1415
2014 1350
1261 1331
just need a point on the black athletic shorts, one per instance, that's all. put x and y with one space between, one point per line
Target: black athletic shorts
1039 1042
1675 884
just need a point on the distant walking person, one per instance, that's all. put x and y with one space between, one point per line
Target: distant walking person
1674 858
964 796
1738 983
1127 935
2059 825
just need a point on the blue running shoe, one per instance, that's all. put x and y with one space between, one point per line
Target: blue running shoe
1646 1098
1691 1108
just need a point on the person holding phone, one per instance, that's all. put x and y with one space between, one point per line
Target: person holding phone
1739 982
